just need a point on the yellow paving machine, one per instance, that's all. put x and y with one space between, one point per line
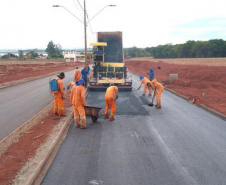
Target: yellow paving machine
108 63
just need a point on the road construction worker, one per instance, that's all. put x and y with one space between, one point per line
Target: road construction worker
151 74
71 83
110 96
84 73
78 101
145 80
59 96
158 88
77 74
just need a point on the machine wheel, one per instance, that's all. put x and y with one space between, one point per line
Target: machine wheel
94 119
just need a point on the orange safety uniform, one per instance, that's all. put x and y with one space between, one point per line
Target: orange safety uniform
144 81
158 88
58 98
78 101
70 84
110 96
77 75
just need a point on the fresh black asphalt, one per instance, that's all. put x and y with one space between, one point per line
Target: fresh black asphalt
181 144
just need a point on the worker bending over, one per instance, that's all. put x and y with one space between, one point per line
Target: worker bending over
158 88
77 74
71 83
59 96
144 81
78 101
110 96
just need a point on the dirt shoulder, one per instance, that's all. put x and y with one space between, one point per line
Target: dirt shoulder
16 71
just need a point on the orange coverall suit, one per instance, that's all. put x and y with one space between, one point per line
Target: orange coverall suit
158 88
71 83
58 98
77 75
145 81
78 100
110 96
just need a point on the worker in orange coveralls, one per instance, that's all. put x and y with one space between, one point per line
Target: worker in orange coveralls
78 101
110 96
71 83
158 88
59 96
77 74
144 81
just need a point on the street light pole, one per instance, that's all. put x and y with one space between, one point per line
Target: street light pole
85 23
85 33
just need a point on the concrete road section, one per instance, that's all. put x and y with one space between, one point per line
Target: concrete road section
179 144
20 102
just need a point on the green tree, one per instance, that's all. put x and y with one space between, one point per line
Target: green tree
21 54
33 54
53 50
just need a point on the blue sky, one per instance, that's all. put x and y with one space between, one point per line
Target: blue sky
27 24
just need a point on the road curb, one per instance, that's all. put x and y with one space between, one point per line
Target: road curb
174 92
214 112
47 160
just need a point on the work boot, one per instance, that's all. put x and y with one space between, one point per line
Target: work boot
56 114
158 105
83 127
62 115
149 94
77 125
105 116
111 119
143 94
83 124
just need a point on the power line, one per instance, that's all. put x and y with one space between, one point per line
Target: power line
78 8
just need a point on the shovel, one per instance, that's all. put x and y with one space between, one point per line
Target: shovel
151 104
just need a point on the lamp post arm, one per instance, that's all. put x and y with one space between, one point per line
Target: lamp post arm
99 12
72 14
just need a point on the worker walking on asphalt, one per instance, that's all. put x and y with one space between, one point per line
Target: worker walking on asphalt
59 96
151 74
145 80
78 101
110 96
158 88
77 74
84 73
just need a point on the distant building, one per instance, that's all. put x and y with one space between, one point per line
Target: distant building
73 56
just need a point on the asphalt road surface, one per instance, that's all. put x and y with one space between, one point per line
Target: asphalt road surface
21 102
181 144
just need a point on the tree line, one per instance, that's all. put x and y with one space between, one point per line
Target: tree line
53 51
191 49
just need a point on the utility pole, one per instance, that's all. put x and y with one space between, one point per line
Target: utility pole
85 33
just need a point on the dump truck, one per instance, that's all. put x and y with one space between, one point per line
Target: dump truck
108 63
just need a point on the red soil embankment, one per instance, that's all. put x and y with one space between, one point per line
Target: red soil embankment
206 84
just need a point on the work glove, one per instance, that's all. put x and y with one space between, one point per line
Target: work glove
68 87
138 88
